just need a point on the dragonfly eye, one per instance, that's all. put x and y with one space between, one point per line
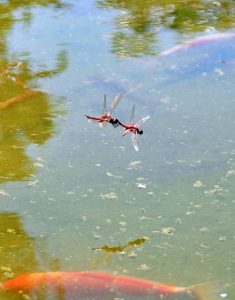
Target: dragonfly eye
140 131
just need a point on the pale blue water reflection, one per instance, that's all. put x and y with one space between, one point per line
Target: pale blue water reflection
91 188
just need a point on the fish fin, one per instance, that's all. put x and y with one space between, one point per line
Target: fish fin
205 291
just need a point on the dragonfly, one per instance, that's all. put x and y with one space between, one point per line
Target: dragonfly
107 117
134 128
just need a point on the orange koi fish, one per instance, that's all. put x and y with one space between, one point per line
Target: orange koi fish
98 285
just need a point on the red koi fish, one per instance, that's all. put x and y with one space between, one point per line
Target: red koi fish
199 41
98 286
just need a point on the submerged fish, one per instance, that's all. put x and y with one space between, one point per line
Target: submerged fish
98 285
199 41
108 84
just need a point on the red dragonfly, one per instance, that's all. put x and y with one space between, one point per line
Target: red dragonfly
134 129
107 117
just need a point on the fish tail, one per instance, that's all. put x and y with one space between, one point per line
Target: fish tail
205 291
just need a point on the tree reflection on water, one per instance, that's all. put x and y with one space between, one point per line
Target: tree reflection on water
138 22
20 252
26 114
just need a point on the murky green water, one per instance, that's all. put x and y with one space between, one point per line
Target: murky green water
68 186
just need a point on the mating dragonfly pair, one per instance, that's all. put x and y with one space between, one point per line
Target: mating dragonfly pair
108 117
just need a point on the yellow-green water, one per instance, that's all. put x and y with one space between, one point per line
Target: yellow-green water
68 186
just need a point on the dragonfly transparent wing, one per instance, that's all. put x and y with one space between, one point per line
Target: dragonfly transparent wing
132 116
104 108
125 131
103 124
140 122
115 103
134 139
104 113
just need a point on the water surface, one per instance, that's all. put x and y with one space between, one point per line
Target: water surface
68 186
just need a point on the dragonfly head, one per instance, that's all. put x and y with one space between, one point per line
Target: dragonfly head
140 131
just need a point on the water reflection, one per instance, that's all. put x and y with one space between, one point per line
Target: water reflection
138 21
26 113
18 253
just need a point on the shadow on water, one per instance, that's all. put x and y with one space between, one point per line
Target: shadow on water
26 114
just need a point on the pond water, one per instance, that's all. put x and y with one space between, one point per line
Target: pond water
69 187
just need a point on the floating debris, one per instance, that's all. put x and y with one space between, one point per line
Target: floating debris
141 185
33 182
143 267
71 193
219 72
120 248
137 242
11 230
3 193
84 218
178 221
110 250
143 218
203 246
223 295
216 190
168 230
111 196
97 236
189 213
112 175
222 238
230 173
8 272
140 178
132 255
134 165
204 229
198 184
197 206
40 159
39 165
